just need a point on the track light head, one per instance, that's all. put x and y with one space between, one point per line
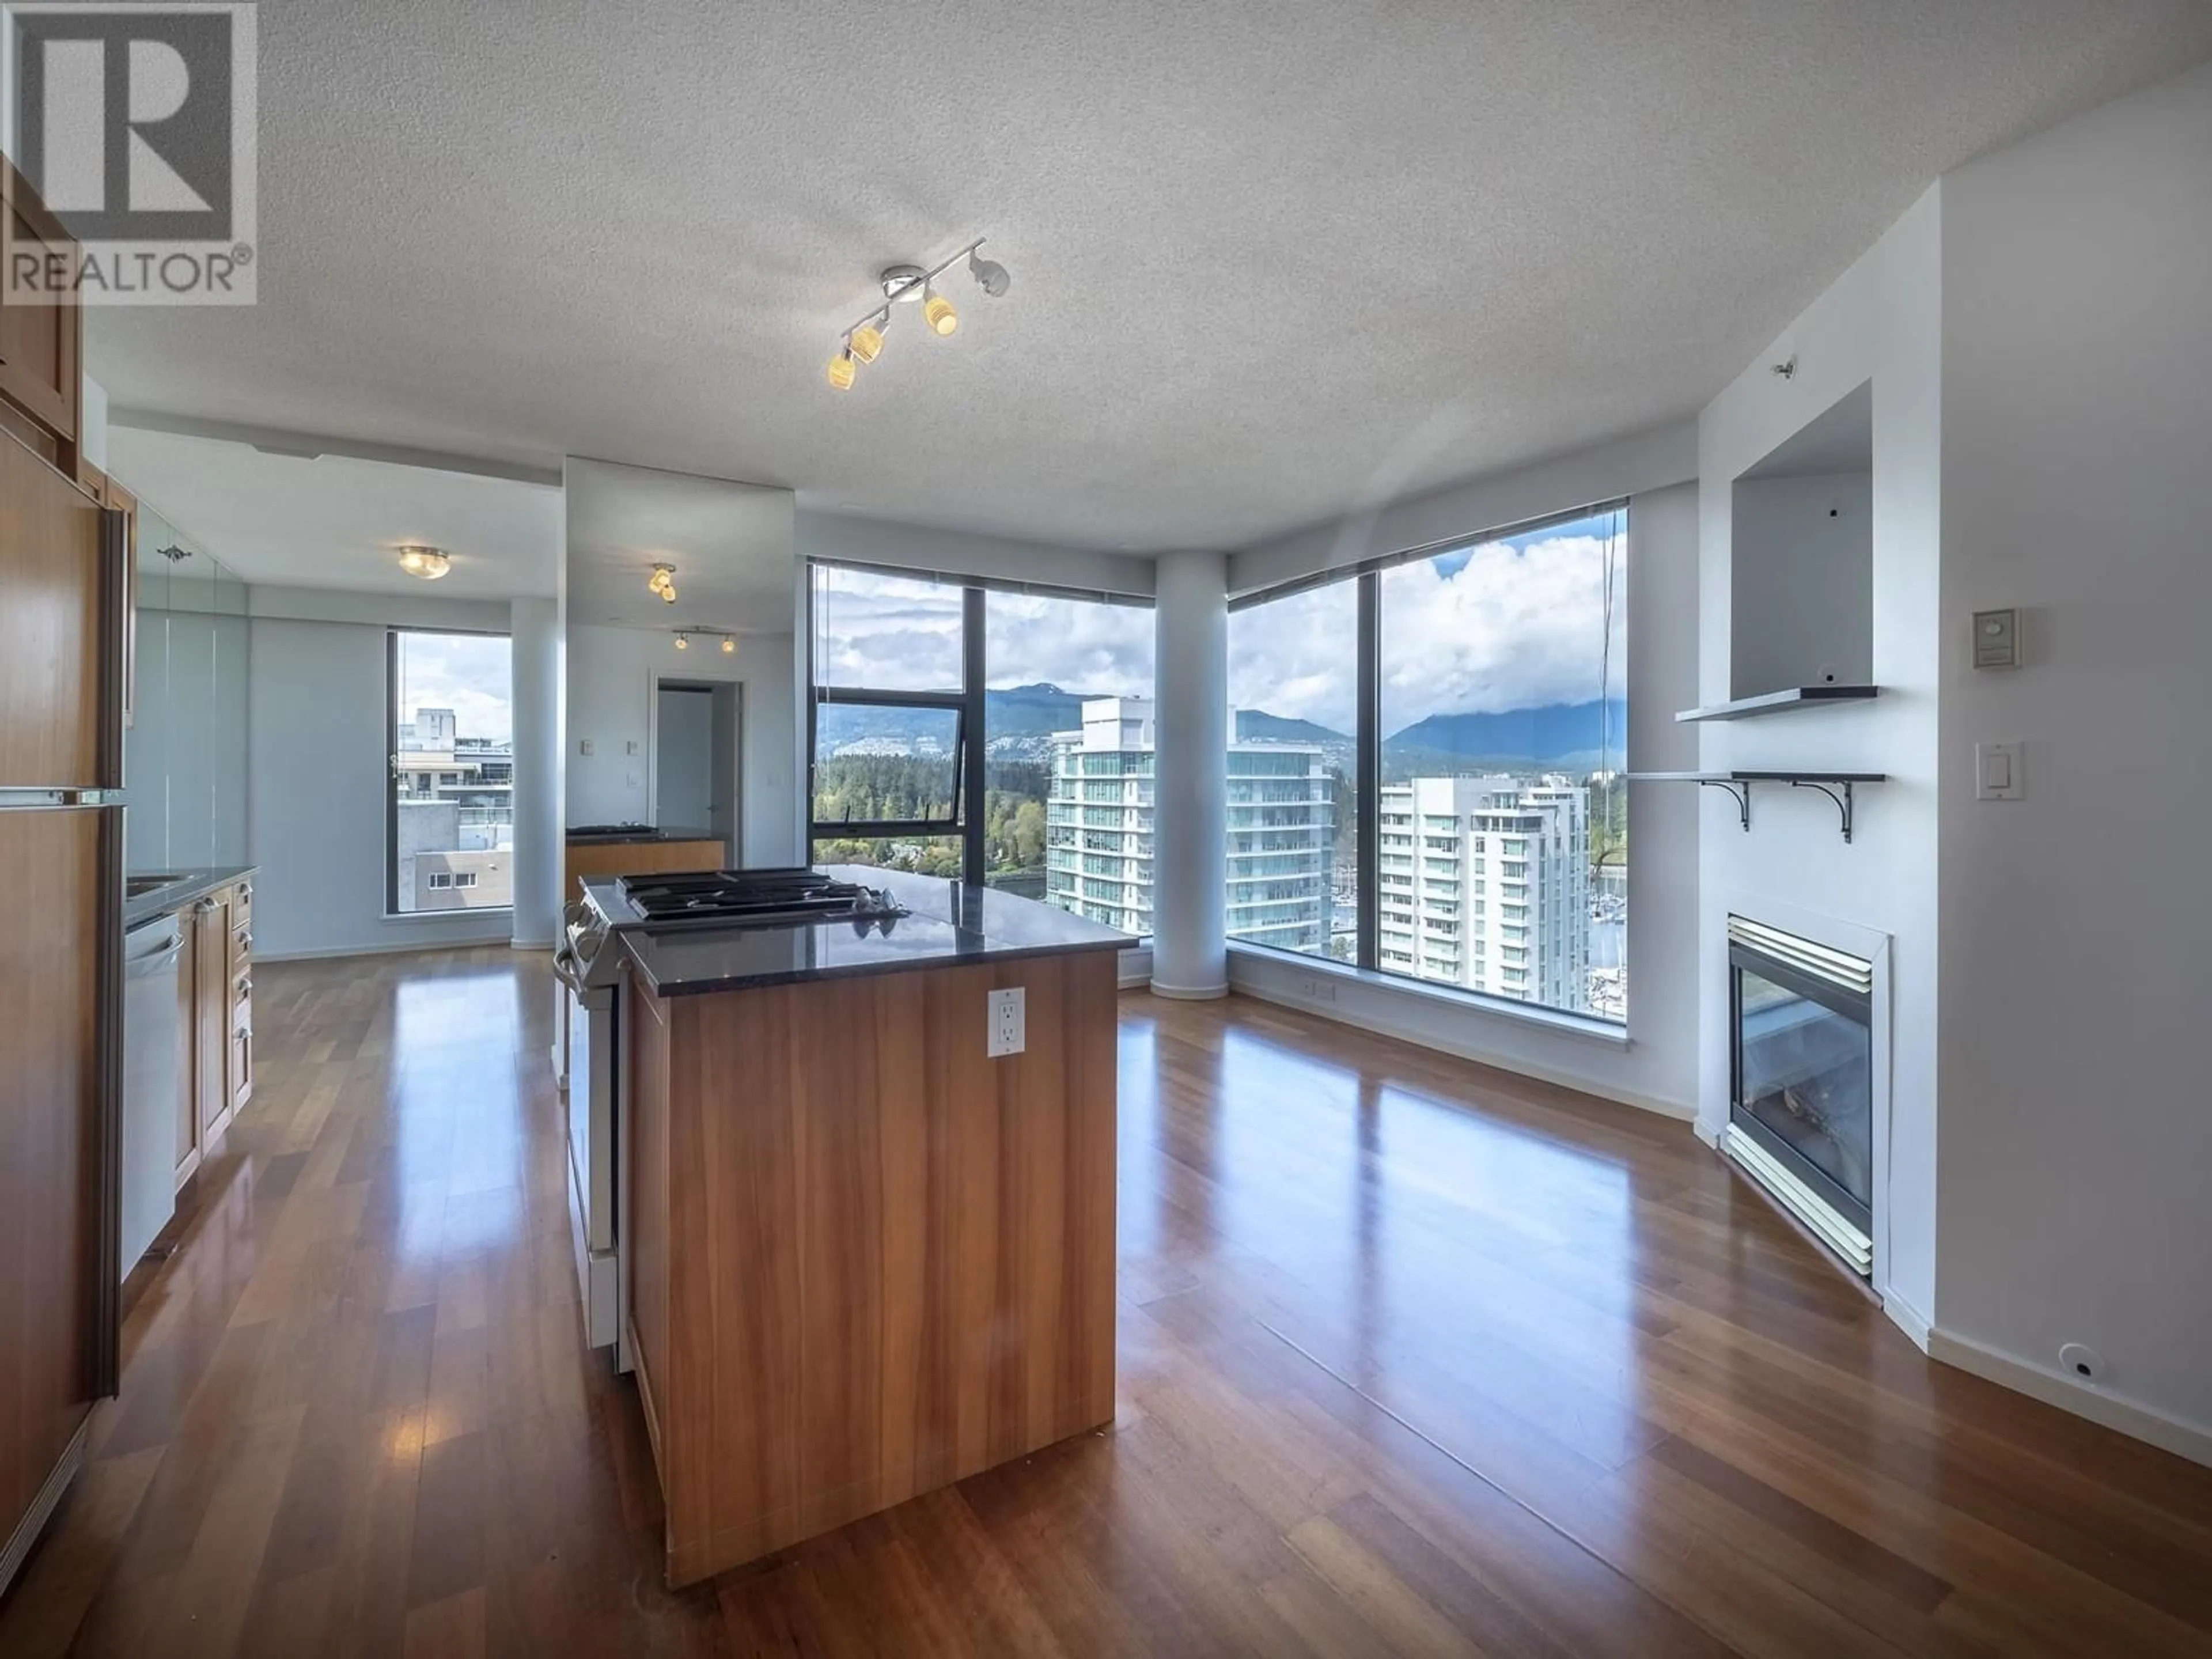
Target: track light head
729 646
994 278
842 371
683 642
937 311
866 342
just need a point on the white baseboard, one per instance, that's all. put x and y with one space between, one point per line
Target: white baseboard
1136 969
1428 1039
1191 992
2190 1440
1908 1319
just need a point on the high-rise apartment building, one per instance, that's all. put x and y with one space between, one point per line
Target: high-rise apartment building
1099 837
1485 885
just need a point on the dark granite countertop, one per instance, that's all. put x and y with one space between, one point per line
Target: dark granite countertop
949 924
190 887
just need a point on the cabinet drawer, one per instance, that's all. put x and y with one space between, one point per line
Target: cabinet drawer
241 948
241 906
241 1005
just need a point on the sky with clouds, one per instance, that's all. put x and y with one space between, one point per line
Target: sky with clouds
1514 623
471 674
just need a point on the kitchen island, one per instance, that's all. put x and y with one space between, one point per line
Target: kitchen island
865 1257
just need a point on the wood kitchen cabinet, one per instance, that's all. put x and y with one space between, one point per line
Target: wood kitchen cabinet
216 1001
41 346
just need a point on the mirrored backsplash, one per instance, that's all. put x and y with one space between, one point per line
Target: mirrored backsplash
185 755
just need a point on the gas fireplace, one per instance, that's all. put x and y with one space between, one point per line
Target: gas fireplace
1801 1106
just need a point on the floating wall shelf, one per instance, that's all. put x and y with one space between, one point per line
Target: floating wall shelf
1773 703
1836 785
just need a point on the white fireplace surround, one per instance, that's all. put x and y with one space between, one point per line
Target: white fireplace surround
1850 939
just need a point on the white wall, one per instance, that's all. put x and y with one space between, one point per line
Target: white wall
318 726
2077 484
1642 462
610 676
1880 320
185 756
842 536
1656 1065
1804 581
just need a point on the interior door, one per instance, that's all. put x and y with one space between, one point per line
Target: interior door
55 1203
54 696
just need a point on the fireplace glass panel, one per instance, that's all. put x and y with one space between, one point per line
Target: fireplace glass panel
1804 1074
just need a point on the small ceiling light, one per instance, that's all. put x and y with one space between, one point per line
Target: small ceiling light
729 646
663 582
683 642
990 275
842 371
428 562
937 311
866 343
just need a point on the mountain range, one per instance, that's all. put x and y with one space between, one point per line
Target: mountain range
1021 719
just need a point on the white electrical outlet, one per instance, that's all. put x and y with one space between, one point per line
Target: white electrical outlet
1317 989
1009 1023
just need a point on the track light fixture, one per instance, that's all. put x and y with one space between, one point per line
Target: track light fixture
725 642
663 582
863 343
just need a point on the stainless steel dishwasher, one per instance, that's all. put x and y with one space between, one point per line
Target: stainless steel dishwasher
152 1082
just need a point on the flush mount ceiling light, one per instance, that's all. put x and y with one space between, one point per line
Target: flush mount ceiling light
663 582
428 562
863 343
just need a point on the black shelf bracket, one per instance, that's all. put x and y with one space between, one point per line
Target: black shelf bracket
1843 801
1741 793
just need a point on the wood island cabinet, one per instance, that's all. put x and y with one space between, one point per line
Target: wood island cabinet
866 1260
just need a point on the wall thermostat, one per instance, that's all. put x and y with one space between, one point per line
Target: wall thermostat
1997 639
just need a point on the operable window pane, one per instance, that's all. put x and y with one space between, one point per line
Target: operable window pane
1292 763
885 763
885 633
453 772
1068 729
1504 722
928 855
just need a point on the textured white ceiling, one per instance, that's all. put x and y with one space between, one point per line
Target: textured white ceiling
731 545
337 522
1270 260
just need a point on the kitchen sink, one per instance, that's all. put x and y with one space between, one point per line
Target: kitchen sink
139 886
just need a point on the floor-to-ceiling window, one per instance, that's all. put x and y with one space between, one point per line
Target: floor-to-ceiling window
997 732
1068 730
1468 710
450 805
892 714
1293 771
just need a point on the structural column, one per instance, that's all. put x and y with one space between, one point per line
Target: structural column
535 631
1190 786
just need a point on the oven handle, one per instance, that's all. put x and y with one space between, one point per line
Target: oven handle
565 969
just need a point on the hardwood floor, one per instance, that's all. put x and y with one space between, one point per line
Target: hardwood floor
1414 1358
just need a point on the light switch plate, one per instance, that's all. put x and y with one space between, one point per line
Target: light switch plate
1997 639
583 745
1009 1023
1996 772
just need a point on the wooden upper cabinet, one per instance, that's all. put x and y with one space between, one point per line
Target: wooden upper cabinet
41 346
52 572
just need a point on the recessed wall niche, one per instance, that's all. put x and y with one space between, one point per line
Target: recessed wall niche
1801 557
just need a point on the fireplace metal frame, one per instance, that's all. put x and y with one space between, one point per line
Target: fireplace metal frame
1852 1004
